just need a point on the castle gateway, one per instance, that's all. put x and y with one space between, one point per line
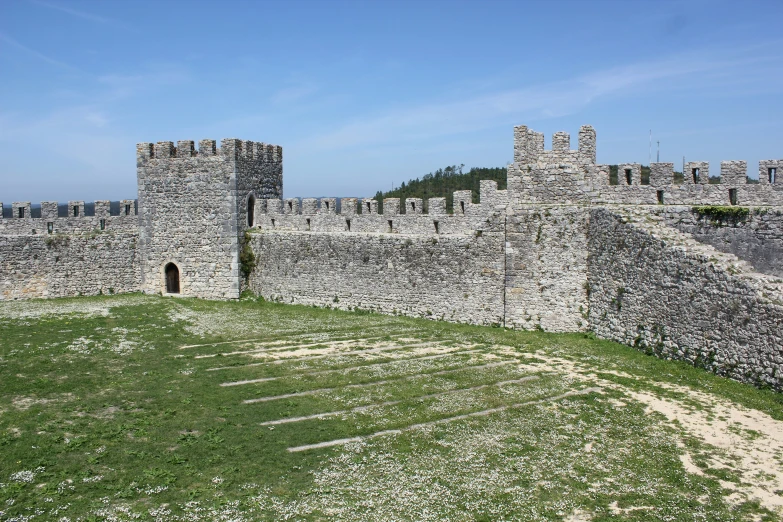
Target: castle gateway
689 269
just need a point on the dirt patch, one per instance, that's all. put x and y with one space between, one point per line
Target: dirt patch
751 439
25 403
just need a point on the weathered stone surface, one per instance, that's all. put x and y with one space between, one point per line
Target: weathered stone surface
63 265
560 250
546 268
193 210
757 238
660 290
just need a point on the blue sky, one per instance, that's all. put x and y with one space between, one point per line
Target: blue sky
364 95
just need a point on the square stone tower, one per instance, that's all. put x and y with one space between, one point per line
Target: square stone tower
194 207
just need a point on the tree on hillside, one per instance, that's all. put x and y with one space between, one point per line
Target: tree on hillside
443 182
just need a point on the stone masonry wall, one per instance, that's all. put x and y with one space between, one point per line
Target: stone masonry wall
757 238
660 290
63 265
187 216
76 222
55 256
546 268
193 210
564 176
432 265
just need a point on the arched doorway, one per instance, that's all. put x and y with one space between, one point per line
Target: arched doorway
251 210
172 279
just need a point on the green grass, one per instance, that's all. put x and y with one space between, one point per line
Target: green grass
106 415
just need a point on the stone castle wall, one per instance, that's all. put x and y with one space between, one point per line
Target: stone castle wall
406 261
562 249
757 238
661 291
564 176
53 256
546 268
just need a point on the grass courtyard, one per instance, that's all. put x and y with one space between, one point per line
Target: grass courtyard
145 408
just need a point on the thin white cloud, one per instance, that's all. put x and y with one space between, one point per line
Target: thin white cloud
12 42
125 85
93 109
541 101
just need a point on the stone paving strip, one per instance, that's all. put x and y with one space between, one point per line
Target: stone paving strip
397 348
285 338
385 381
392 403
278 348
482 413
347 368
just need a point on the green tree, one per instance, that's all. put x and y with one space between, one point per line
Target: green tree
443 182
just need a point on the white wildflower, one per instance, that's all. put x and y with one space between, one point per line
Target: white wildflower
65 485
23 476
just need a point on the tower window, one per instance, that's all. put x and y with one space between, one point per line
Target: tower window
772 172
290 206
437 230
21 212
75 210
628 176
462 206
348 224
103 224
251 210
660 197
733 196
308 223
696 173
127 210
390 227
50 227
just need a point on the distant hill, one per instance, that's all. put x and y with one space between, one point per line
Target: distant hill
443 182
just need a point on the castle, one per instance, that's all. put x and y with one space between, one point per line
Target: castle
689 270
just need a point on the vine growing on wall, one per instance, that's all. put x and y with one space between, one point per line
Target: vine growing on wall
721 214
247 258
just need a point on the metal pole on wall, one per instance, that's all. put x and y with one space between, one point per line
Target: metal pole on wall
658 154
649 151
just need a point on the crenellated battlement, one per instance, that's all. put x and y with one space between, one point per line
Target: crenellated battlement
550 252
410 216
71 218
732 173
529 147
564 176
733 187
230 148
